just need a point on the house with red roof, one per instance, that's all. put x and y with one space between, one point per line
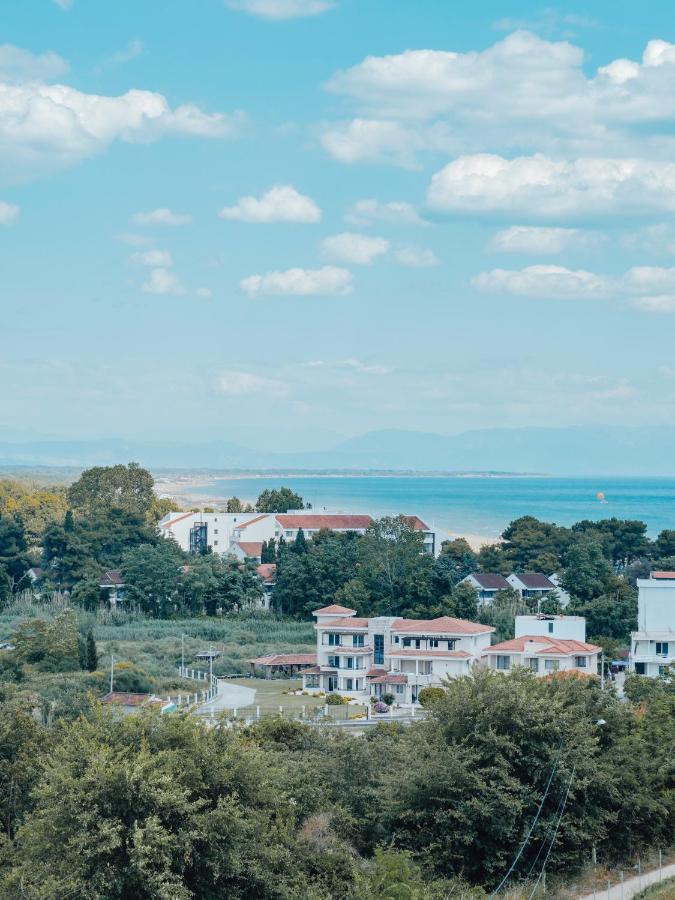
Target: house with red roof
371 657
543 655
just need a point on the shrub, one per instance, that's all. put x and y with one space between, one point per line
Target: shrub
335 700
389 699
430 695
381 707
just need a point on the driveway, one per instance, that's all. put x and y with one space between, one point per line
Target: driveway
229 696
631 886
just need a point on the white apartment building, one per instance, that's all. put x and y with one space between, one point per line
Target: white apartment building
652 647
388 655
538 648
571 628
194 532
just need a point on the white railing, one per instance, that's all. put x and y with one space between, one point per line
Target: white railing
201 696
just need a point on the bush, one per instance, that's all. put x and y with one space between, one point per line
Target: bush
389 699
381 707
430 695
335 700
130 679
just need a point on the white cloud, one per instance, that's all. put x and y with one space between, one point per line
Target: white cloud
243 384
544 281
163 281
204 293
396 212
21 65
8 213
660 303
366 368
282 203
132 51
281 9
44 127
416 257
64 4
327 281
162 216
359 249
622 390
135 240
659 238
521 92
153 258
541 187
650 278
530 239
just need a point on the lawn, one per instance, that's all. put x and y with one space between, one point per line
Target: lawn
270 694
663 891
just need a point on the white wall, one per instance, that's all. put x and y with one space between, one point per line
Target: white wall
656 605
568 628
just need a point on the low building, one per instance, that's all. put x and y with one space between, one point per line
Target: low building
247 549
112 584
531 585
268 575
571 628
487 584
653 644
311 523
197 532
543 655
282 664
429 535
389 655
132 703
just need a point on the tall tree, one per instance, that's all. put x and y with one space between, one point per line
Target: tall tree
103 488
279 501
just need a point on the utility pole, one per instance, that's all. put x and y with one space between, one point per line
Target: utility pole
602 670
112 672
182 654
210 667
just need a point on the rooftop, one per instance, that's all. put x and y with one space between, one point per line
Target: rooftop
442 625
549 646
327 520
250 548
285 659
334 610
490 581
533 580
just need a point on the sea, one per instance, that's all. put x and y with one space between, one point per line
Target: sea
481 506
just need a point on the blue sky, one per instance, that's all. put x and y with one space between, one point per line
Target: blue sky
281 222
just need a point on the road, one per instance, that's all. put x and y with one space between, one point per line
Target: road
632 886
229 696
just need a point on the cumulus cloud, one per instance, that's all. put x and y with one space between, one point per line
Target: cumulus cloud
204 293
282 203
163 281
523 91
540 187
243 384
366 368
660 303
359 249
416 257
544 281
135 240
153 258
531 239
8 213
44 127
395 212
162 216
21 65
281 9
329 281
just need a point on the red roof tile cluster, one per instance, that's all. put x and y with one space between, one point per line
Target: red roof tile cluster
390 679
285 659
416 523
350 622
665 576
374 672
448 654
250 548
442 625
331 522
267 571
112 578
252 521
334 610
550 646
535 580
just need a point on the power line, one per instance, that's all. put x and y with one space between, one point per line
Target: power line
536 819
555 834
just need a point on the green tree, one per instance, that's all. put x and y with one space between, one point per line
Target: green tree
150 575
279 501
532 545
14 560
492 558
501 613
234 505
300 543
465 601
664 545
622 540
91 654
587 571
103 488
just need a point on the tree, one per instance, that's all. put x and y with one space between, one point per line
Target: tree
300 544
491 558
91 653
279 501
103 488
455 562
501 613
587 571
35 507
532 545
622 540
14 560
465 601
664 545
151 577
268 553
234 505
612 614
51 646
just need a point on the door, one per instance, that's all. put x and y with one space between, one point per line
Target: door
332 683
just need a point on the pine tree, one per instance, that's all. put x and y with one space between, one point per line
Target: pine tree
91 656
300 545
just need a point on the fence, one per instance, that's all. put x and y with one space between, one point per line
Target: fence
199 697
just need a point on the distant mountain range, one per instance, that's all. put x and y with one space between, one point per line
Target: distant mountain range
583 450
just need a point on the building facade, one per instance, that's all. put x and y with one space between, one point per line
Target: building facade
363 658
652 648
543 654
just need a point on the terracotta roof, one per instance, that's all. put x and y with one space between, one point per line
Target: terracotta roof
416 523
251 521
665 576
112 578
550 646
250 548
285 659
491 581
375 671
533 580
267 571
334 609
332 522
314 670
413 651
390 679
348 623
442 625
179 519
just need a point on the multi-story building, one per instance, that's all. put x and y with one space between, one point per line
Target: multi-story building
545 645
487 584
652 647
195 532
389 655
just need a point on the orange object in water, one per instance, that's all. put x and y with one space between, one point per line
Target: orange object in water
600 496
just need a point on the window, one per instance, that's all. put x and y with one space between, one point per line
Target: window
334 662
534 665
503 662
451 645
357 684
399 688
550 627
580 662
397 640
663 670
357 640
350 662
215 543
433 643
378 649
288 534
662 648
639 668
406 642
349 684
334 640
551 665
215 531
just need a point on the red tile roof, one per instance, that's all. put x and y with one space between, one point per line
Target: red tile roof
665 576
267 571
416 523
250 548
442 625
334 609
374 672
490 581
179 519
314 670
285 659
550 646
390 679
449 654
347 623
112 578
251 521
332 522
533 580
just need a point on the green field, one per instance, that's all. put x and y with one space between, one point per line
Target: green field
273 693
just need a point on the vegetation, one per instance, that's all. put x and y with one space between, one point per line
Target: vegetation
278 501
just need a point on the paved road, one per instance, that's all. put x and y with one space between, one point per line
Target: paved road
632 886
229 696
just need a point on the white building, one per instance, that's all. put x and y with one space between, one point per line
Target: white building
487 584
563 596
194 532
571 628
531 585
653 644
388 655
543 655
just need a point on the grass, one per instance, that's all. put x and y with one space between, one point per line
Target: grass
663 891
270 694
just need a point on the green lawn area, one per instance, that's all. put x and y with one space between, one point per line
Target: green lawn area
663 891
269 696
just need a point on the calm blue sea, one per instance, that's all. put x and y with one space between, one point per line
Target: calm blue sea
480 506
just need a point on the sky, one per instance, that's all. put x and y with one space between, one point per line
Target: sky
286 222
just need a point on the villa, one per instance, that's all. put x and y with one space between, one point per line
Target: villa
653 644
487 584
545 645
382 655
